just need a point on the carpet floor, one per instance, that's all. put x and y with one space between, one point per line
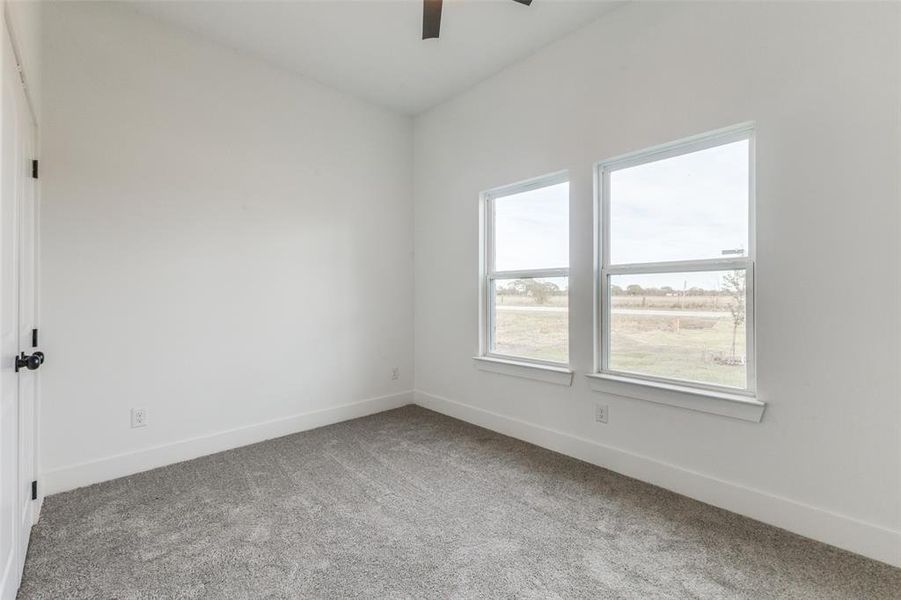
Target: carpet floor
412 504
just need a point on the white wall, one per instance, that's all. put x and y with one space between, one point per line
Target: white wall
822 83
24 18
224 244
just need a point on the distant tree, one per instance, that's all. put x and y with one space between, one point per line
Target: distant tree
666 290
539 290
503 291
634 290
734 287
617 290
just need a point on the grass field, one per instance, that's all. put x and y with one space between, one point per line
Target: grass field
509 300
693 348
541 335
705 303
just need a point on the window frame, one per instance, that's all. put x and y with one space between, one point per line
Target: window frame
488 274
603 270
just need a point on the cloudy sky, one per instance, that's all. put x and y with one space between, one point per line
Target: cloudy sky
682 208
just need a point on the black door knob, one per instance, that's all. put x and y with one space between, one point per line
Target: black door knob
29 361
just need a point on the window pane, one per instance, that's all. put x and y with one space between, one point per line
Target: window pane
531 318
681 208
688 326
531 229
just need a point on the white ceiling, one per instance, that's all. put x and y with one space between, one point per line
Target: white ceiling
373 48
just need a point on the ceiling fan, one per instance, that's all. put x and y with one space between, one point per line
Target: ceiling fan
431 17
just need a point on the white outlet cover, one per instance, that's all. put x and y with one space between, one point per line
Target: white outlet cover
601 413
138 417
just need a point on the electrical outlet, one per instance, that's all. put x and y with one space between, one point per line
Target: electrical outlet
138 417
395 373
601 413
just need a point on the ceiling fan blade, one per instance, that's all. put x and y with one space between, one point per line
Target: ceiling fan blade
526 2
431 18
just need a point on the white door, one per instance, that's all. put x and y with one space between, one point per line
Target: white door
28 340
17 311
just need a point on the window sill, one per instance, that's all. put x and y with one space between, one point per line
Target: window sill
736 406
527 370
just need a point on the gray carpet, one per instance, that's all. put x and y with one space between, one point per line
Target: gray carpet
412 504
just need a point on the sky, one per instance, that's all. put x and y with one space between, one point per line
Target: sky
681 208
531 229
687 207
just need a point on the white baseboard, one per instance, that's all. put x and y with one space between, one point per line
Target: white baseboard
73 476
851 534
39 504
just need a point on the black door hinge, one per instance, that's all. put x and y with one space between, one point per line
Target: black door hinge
34 169
34 490
34 338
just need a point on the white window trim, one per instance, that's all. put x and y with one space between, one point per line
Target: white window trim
551 371
727 404
526 370
728 401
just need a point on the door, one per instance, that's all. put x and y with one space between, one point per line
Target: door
27 337
17 314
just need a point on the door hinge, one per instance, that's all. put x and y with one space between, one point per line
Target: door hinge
34 338
34 490
34 169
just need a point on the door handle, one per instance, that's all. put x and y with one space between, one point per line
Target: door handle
29 361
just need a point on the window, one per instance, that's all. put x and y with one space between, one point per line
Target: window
525 281
676 255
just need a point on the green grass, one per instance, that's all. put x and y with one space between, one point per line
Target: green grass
661 346
655 346
544 336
